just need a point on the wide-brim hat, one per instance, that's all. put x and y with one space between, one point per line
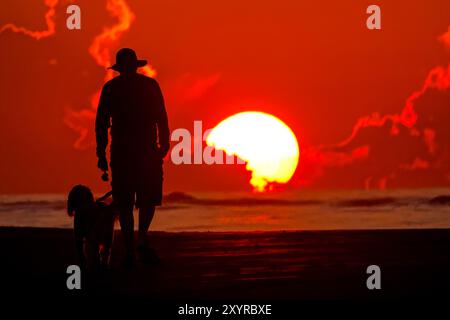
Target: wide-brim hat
126 58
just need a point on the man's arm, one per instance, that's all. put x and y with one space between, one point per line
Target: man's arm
162 122
102 123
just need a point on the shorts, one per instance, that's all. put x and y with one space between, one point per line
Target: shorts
137 183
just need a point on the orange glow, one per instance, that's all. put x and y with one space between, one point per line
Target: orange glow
369 108
266 143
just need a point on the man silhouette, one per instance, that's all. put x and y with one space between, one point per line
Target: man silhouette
132 105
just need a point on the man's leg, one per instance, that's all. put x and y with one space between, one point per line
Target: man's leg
148 195
124 199
146 214
127 226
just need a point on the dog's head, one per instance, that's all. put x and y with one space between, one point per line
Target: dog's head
79 198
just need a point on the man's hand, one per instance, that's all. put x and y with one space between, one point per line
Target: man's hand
102 163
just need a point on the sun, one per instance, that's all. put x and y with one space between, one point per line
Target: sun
266 143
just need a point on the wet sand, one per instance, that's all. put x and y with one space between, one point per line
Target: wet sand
246 266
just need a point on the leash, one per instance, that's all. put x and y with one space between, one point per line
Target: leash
105 196
105 178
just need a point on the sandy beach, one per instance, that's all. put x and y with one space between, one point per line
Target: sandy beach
309 265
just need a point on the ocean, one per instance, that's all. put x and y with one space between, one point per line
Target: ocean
299 210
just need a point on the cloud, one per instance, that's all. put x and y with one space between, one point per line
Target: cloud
35 34
401 146
189 87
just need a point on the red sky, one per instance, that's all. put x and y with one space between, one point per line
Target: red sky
312 64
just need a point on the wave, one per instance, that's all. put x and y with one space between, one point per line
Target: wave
27 205
181 197
176 200
367 202
440 200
